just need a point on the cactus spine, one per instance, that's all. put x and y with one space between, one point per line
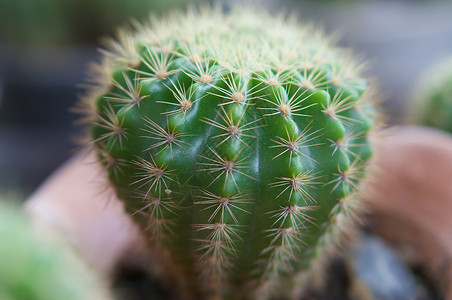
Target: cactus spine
237 142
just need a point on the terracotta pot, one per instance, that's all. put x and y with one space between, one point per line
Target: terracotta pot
410 198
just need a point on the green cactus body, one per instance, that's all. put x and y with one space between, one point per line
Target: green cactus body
237 143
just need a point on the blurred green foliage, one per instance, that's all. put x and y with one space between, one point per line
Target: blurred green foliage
431 103
35 264
40 22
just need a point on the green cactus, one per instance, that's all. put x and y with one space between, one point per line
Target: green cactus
34 264
432 100
237 142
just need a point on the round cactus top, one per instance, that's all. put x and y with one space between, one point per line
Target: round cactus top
241 41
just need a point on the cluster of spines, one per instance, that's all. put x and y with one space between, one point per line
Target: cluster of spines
224 167
283 93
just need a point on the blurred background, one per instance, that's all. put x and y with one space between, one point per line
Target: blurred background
46 46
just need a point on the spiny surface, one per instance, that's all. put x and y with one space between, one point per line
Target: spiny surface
237 141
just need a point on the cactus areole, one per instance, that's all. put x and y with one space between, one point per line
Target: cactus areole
237 142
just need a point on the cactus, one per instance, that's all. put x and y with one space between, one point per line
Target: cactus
432 100
35 264
238 142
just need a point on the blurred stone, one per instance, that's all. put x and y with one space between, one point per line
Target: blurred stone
377 273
